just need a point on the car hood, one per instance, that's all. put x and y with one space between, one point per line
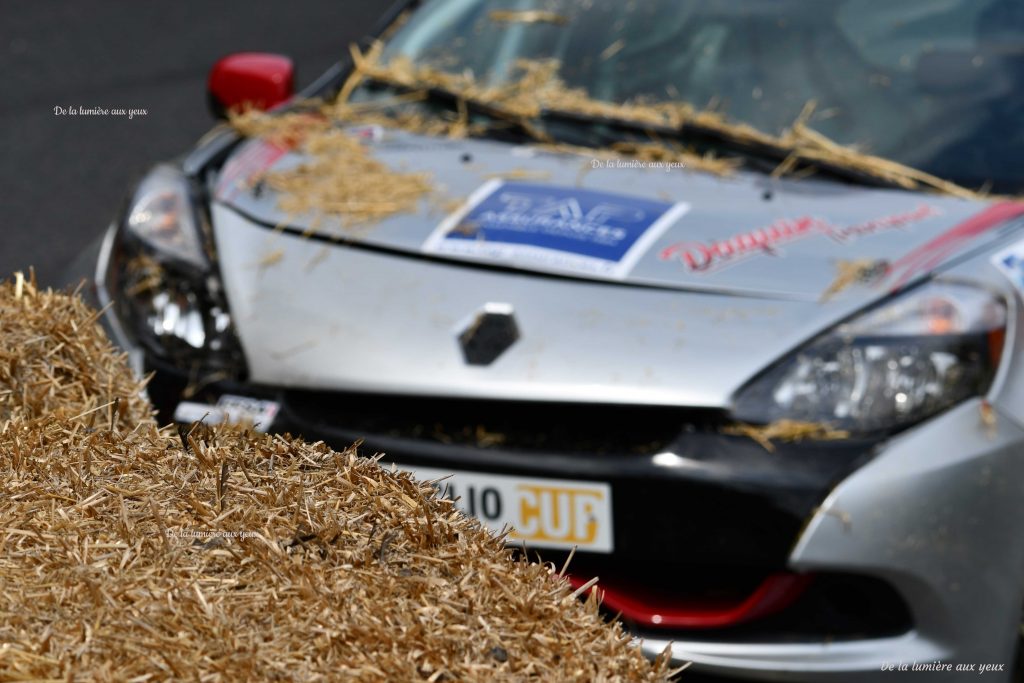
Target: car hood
527 208
629 285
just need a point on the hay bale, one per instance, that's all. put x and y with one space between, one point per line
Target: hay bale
56 361
129 551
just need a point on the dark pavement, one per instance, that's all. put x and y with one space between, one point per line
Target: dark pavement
61 177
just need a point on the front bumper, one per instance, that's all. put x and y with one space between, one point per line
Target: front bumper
934 513
938 516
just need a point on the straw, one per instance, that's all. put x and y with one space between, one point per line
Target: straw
125 555
340 177
528 17
787 431
55 361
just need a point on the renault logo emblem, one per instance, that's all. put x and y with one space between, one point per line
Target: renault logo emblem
491 332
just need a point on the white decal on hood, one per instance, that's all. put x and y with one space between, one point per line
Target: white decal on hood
555 229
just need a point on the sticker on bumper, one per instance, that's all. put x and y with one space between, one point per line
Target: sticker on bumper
1010 263
543 513
555 229
230 409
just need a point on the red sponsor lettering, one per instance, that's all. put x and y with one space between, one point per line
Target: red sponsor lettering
702 257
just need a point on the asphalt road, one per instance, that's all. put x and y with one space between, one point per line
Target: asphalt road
63 177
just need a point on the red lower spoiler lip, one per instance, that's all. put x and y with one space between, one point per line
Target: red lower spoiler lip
774 594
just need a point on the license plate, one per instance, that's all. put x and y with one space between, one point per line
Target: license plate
230 409
543 513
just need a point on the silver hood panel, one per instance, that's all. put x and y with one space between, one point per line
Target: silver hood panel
370 315
312 318
743 234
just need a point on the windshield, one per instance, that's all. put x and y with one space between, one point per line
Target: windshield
934 84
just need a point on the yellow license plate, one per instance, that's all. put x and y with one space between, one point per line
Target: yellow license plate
543 513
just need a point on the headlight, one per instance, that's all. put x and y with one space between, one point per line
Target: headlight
164 283
889 368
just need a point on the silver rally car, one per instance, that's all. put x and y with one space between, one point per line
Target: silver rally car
781 418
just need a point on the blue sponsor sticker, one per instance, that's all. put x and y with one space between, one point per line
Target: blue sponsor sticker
558 229
1011 262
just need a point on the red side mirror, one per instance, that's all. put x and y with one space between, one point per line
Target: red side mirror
250 79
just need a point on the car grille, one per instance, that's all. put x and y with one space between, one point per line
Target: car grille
507 425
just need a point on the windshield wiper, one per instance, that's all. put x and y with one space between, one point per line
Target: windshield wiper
764 154
758 154
511 126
